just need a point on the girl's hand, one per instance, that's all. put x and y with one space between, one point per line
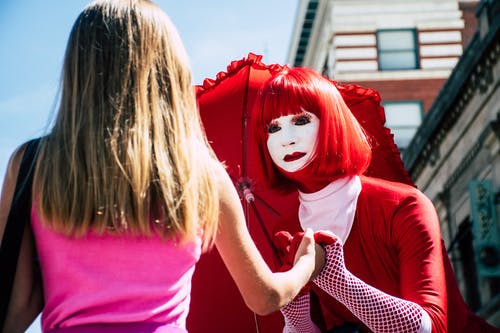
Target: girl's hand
306 246
289 246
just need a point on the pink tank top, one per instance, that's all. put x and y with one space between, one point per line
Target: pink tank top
114 279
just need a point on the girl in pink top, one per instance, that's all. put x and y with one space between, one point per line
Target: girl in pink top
127 192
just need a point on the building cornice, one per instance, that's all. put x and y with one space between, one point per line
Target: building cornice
420 74
472 153
472 74
305 21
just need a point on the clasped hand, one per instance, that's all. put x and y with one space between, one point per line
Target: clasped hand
296 314
289 249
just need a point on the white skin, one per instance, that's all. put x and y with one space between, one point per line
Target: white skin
292 140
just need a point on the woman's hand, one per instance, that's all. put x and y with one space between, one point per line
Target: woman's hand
288 247
320 260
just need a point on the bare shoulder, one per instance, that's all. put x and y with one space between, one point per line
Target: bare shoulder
15 161
13 165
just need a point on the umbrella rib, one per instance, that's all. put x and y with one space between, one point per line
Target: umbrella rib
245 192
268 238
244 125
241 186
269 207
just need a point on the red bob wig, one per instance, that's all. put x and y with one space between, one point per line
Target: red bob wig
342 147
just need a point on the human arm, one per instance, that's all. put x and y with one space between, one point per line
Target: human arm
378 310
262 290
26 299
403 240
297 313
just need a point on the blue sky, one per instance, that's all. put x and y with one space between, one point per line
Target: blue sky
33 37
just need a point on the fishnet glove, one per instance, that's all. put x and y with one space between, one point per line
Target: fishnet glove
377 310
297 316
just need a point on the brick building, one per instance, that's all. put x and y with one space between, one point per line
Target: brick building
442 55
454 158
403 49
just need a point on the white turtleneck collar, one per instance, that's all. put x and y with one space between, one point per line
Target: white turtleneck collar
332 208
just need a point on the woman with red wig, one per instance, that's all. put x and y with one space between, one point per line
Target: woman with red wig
385 269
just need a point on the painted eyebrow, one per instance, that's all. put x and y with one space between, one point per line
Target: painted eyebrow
273 123
302 114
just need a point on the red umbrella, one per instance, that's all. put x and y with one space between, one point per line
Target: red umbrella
225 106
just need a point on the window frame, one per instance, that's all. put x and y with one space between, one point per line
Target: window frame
415 49
395 128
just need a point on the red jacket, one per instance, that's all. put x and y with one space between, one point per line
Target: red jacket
395 246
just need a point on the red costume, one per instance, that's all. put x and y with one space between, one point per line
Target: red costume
394 244
395 230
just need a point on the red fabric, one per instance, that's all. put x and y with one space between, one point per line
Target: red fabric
225 105
460 319
386 162
286 251
287 245
393 232
379 311
392 247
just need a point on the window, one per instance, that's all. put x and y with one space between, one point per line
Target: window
403 118
397 49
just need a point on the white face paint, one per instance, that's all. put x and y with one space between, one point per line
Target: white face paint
292 140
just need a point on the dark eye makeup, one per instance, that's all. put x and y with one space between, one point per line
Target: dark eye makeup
272 128
302 119
298 120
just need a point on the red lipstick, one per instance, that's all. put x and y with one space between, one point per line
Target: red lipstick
293 157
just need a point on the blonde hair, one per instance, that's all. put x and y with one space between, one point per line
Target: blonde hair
127 151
